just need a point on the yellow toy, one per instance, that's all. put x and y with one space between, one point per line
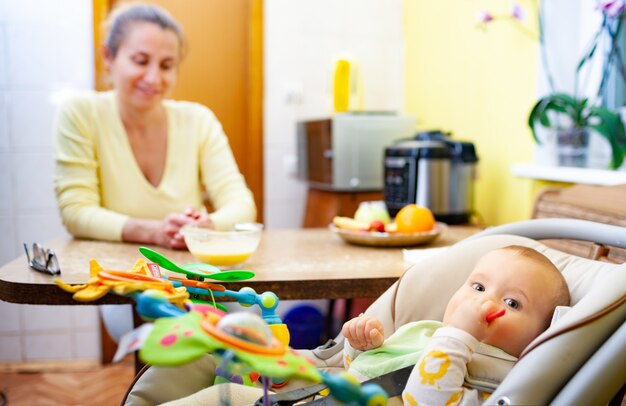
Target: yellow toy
138 279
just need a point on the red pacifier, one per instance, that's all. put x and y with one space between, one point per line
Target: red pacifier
494 315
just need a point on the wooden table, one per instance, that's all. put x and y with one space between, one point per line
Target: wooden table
294 264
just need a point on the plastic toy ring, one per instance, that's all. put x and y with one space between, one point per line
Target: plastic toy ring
123 276
199 284
276 349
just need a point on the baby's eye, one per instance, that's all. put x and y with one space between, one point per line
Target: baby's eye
478 286
512 303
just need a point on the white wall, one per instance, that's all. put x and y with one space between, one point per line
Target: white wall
570 26
44 46
303 39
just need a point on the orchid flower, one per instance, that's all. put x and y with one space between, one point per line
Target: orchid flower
517 12
483 16
612 8
517 15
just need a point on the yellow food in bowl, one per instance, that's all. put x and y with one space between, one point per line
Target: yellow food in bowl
223 248
221 259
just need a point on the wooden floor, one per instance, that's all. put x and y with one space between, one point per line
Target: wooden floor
98 386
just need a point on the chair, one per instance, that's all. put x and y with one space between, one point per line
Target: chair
565 365
600 204
592 330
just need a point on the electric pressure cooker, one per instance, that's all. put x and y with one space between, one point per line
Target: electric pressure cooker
434 171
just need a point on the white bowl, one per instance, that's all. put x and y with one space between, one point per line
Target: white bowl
224 249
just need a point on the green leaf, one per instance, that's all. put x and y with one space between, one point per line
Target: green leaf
554 103
609 125
617 156
604 121
533 117
621 137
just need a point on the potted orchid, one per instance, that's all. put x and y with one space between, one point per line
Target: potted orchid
582 116
580 113
570 116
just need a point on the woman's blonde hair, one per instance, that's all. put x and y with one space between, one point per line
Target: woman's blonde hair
122 17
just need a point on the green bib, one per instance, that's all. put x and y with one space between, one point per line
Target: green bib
402 349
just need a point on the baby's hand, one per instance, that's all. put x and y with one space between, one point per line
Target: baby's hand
364 333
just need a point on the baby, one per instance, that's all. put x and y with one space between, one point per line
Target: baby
507 301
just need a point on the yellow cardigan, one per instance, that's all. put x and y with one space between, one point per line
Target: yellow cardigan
99 184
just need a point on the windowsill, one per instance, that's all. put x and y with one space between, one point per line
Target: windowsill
567 174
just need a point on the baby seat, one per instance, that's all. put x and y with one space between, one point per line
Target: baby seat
578 360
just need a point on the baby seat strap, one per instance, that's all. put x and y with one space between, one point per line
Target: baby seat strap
392 382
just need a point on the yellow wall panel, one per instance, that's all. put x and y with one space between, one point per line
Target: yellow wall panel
480 85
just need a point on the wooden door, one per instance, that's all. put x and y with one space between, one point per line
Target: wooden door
222 70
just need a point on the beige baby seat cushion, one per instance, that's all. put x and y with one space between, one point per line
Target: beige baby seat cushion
422 293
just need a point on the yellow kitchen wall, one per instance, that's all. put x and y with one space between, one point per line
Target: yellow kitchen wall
480 85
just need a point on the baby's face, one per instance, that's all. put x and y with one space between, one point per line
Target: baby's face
521 286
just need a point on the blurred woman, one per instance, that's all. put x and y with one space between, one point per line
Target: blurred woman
132 165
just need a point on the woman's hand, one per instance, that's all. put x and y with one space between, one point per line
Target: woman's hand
199 219
364 333
168 235
166 232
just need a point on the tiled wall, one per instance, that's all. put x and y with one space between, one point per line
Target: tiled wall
302 41
45 46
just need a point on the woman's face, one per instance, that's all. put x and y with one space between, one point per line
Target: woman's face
145 68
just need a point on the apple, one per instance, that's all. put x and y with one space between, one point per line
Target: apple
370 211
377 225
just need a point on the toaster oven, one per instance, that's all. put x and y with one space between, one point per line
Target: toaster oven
346 152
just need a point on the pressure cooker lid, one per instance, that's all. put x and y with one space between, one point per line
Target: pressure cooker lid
431 135
462 151
422 149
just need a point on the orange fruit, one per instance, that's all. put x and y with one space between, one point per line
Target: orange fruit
414 219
